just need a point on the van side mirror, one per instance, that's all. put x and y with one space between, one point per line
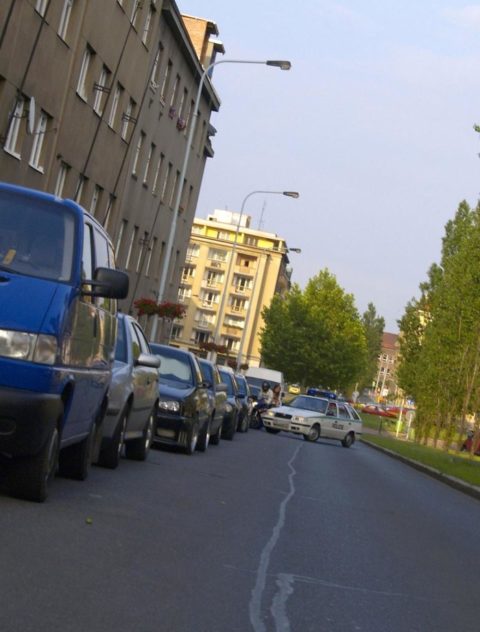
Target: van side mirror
108 283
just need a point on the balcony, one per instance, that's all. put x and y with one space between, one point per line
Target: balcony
211 263
203 324
237 309
241 289
212 285
210 305
233 332
186 280
245 270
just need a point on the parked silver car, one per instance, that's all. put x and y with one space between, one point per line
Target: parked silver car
133 397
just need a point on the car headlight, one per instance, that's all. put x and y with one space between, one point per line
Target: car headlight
270 413
228 408
298 419
170 405
24 346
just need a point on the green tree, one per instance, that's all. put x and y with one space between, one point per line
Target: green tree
373 326
315 337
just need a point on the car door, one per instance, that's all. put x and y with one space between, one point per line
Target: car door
343 424
144 379
327 428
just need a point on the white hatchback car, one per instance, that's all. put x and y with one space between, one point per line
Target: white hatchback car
315 417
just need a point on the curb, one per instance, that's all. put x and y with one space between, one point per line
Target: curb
456 483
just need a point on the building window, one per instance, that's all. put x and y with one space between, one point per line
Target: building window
173 98
183 101
204 319
143 244
97 193
61 179
166 81
121 232
141 139
154 75
41 6
213 278
131 246
151 250
166 181
151 152
201 336
65 19
177 331
148 24
241 283
128 118
214 254
108 212
248 240
232 344
84 73
197 230
115 101
209 299
136 6
174 189
224 235
80 186
38 140
238 304
188 273
101 91
157 173
184 293
193 251
11 142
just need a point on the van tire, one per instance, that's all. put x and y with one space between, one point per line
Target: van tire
29 477
138 449
204 438
76 459
215 438
313 434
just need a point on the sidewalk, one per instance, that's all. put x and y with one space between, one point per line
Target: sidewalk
456 483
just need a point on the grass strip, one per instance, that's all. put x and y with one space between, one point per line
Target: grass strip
460 466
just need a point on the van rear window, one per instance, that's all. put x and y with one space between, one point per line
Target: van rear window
36 237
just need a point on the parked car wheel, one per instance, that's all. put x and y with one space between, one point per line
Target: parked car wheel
348 441
204 438
29 477
138 449
74 461
110 455
191 439
244 424
215 438
272 430
313 433
229 432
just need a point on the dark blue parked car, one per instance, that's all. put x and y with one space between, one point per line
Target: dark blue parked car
183 411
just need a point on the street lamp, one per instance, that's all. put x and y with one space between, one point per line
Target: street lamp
283 65
218 324
247 319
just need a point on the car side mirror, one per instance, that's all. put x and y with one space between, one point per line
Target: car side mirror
107 283
148 360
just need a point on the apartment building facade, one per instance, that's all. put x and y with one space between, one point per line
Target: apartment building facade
96 100
224 289
386 385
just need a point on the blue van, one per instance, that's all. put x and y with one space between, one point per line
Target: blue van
58 291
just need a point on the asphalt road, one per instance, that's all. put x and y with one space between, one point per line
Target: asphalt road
265 533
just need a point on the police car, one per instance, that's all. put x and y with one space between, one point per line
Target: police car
315 417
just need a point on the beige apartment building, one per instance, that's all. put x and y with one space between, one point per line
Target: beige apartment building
224 296
96 99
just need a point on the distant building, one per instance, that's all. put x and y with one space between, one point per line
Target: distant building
386 379
259 270
96 99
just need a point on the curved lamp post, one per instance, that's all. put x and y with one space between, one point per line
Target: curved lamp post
277 63
218 323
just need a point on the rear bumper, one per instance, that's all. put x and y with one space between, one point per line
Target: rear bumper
26 419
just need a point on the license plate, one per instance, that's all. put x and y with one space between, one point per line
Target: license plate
162 432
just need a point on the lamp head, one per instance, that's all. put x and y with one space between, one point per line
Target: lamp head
297 250
292 194
279 63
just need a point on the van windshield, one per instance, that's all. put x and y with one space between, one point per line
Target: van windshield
36 238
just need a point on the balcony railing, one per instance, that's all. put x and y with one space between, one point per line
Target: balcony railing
203 324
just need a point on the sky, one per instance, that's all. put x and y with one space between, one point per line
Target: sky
373 126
